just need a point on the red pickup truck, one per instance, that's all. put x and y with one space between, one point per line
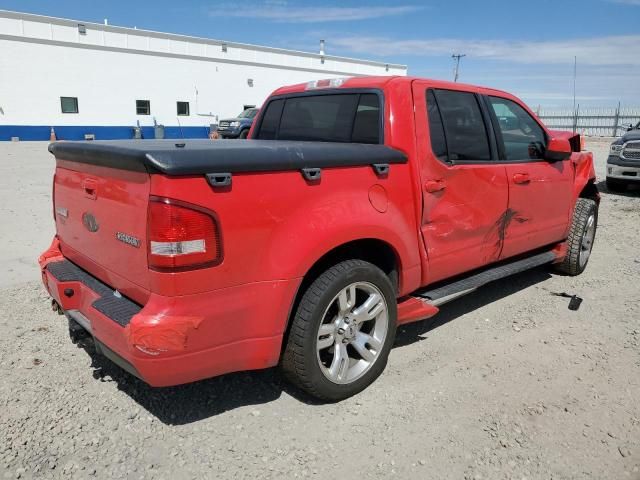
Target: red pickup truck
355 206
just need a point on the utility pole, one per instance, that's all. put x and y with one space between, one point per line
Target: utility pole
457 57
575 74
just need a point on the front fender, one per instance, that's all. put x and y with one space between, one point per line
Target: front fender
584 173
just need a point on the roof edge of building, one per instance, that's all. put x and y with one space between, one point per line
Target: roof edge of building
176 36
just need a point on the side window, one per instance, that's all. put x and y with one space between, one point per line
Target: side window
271 120
436 128
464 128
366 125
523 137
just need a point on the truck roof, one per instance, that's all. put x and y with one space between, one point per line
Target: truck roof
383 81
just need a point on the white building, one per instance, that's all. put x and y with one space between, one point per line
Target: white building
89 78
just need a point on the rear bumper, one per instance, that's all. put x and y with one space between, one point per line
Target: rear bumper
176 340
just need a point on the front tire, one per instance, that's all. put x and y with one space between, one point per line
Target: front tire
342 331
243 134
581 237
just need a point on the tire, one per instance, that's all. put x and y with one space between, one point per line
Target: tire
615 185
330 329
581 237
243 134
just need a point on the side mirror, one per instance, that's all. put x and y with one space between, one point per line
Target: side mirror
558 149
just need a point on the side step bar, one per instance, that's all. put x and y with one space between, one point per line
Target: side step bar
451 291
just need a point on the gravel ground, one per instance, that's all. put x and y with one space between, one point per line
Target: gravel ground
504 383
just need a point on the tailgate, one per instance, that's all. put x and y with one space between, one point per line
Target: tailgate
101 216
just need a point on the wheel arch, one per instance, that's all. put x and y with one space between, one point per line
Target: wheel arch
590 191
374 250
585 178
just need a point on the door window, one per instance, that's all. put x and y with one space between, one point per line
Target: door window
436 129
461 126
522 136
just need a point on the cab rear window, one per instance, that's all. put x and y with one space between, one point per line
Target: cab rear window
343 117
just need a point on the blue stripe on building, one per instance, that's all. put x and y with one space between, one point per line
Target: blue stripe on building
41 132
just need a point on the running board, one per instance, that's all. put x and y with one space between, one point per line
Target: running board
451 291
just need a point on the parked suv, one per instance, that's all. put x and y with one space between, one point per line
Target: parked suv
623 163
237 127
358 205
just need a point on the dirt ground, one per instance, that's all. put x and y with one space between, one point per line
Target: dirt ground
504 383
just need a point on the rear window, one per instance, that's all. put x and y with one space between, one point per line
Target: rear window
347 118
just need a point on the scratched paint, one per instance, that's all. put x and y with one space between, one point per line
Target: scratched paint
53 254
156 334
498 232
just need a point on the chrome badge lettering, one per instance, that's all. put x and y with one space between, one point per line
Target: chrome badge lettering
62 211
128 239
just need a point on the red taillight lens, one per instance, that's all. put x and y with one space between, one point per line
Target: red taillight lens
53 196
181 236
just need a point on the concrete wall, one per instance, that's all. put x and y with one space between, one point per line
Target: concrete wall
109 68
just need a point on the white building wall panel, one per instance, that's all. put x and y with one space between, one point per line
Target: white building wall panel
109 68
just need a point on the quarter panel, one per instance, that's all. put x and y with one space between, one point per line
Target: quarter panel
276 225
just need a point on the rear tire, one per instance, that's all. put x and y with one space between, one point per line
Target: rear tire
581 237
615 185
342 331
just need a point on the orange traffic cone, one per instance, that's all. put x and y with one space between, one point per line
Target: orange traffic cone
52 136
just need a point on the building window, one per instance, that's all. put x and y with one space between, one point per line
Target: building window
143 107
69 104
82 29
183 108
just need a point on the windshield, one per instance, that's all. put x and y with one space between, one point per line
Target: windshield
248 113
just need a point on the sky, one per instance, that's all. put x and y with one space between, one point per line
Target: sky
524 47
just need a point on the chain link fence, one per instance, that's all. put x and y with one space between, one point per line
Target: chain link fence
595 121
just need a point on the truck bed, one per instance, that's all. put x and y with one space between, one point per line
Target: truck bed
195 157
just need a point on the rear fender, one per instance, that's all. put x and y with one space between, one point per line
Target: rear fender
313 230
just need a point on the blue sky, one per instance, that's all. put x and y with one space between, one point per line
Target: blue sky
526 47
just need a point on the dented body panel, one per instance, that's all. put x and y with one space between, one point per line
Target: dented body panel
438 219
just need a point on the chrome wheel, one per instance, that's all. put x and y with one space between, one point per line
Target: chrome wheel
352 332
587 240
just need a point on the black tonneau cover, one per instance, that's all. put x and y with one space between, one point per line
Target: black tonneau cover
193 157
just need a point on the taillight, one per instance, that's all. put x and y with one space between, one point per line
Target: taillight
53 197
181 236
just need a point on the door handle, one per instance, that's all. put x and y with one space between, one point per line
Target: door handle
433 186
521 178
